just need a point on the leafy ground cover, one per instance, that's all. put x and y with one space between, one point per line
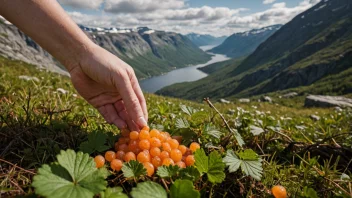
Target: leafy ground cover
49 136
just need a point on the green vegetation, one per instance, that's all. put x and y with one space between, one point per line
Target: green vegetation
269 144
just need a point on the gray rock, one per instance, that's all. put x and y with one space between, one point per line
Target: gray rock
338 109
327 101
224 101
231 112
14 44
290 95
244 100
266 99
314 117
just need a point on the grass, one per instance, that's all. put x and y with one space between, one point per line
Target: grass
37 121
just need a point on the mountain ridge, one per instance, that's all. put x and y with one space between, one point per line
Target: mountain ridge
205 39
316 44
244 43
149 52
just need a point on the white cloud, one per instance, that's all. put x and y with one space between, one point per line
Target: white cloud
268 1
184 19
140 6
86 4
277 14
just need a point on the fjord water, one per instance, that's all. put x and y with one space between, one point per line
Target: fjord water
186 74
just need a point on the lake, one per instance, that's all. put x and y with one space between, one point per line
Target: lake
186 74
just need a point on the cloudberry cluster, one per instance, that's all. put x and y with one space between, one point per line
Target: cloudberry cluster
152 148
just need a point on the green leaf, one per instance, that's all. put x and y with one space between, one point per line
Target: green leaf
133 169
238 137
190 173
75 175
211 130
216 172
183 189
249 166
96 142
115 192
182 123
188 110
310 192
256 130
232 161
167 171
212 165
201 161
248 154
148 189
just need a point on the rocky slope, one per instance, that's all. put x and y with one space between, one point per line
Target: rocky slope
16 45
244 43
148 51
311 53
205 39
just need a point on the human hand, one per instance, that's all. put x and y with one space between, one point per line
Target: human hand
110 85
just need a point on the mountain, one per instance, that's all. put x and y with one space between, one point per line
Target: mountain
148 51
205 39
16 45
312 53
244 43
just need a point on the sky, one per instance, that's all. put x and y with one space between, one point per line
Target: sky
215 17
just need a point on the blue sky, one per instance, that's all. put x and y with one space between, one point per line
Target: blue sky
216 17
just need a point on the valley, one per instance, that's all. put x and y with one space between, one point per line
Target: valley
187 74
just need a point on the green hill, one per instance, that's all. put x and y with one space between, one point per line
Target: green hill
306 53
41 115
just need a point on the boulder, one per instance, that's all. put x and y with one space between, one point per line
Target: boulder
244 100
224 101
266 99
290 95
314 117
327 101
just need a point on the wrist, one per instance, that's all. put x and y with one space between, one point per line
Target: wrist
80 55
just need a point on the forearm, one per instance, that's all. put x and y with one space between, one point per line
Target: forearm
48 24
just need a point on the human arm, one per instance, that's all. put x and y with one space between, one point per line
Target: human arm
104 80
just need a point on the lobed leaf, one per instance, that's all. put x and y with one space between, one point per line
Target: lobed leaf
75 175
96 142
182 123
148 189
188 110
216 172
183 189
201 161
249 164
211 130
190 173
167 171
133 169
115 192
256 130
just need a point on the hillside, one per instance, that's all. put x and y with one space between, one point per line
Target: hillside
148 51
244 43
309 51
42 116
205 39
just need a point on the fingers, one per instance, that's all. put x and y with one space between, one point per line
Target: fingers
137 89
111 116
120 108
132 105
